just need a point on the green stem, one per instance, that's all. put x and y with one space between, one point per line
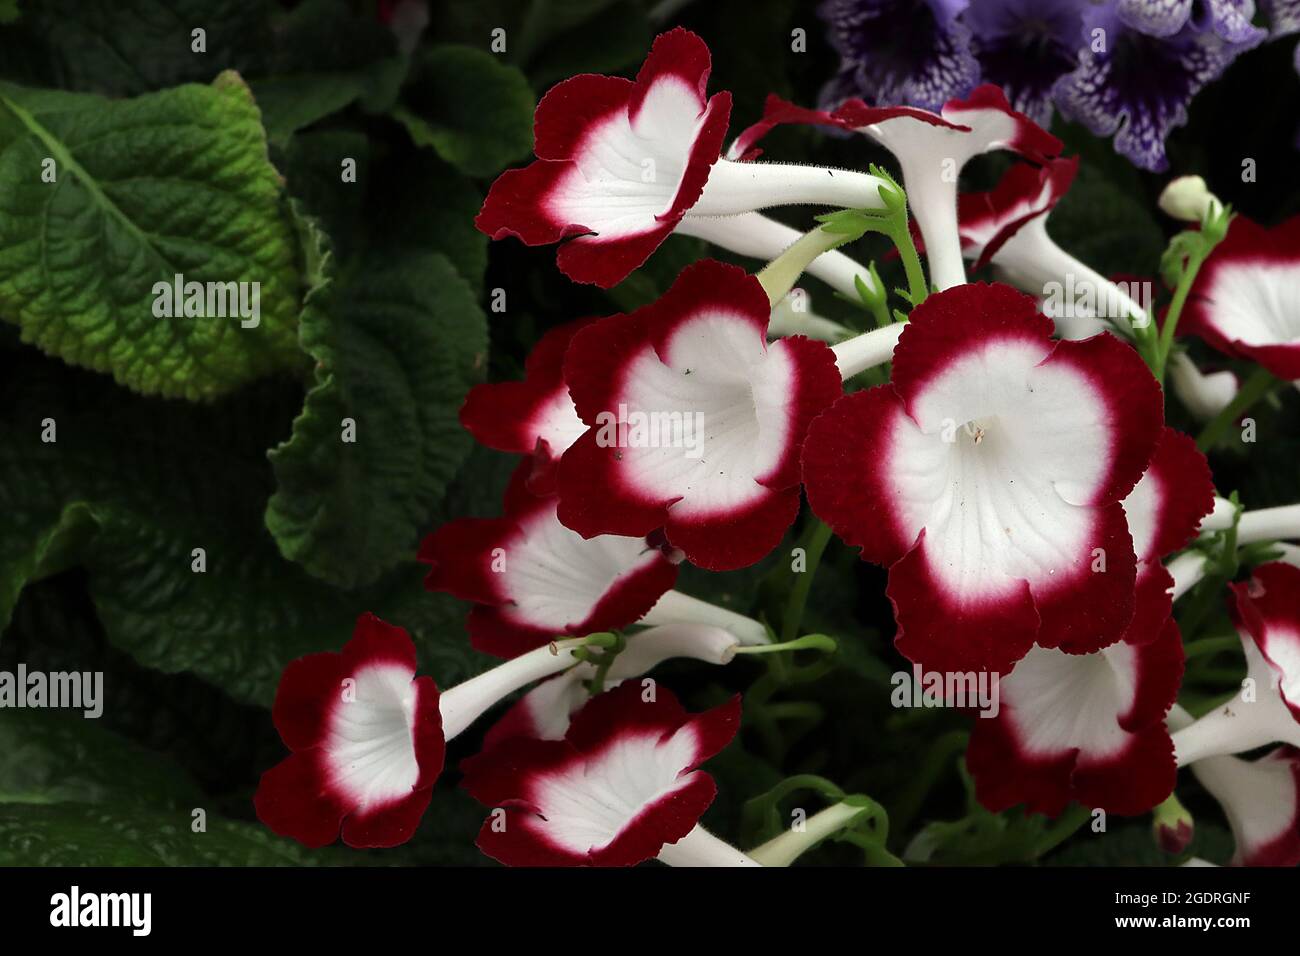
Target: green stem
1064 828
917 289
819 642
1260 383
779 276
1175 309
1211 645
815 541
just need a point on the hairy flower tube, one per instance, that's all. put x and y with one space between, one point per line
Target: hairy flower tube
933 148
1266 611
620 162
987 476
694 421
621 787
368 737
544 712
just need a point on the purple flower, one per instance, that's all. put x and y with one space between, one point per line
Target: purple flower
1137 84
900 52
1025 46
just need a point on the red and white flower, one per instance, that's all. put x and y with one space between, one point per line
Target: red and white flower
1246 298
620 788
545 710
988 477
1261 799
933 148
1266 611
1007 228
620 162
532 417
367 742
533 579
1087 727
368 737
1164 511
694 421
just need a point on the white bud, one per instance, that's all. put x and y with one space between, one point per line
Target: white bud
1188 198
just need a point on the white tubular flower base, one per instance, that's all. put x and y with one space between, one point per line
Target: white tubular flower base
789 846
735 187
678 608
466 702
758 237
1204 395
1235 727
1187 569
702 848
1262 524
788 320
867 350
1032 262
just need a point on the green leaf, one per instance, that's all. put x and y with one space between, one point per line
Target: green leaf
169 183
397 343
128 47
151 482
71 834
49 756
9 11
471 109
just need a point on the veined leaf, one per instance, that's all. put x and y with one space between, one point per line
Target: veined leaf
172 183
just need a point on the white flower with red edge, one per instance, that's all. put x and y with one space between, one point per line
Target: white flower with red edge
367 742
622 786
532 417
1086 727
1266 611
621 162
987 476
368 737
1164 511
726 492
533 579
1261 799
1246 298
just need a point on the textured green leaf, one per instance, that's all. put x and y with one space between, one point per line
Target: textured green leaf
9 11
473 110
128 47
156 480
71 834
49 756
169 183
397 342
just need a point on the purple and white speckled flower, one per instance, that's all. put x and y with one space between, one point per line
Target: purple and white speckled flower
1025 46
900 52
1136 84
